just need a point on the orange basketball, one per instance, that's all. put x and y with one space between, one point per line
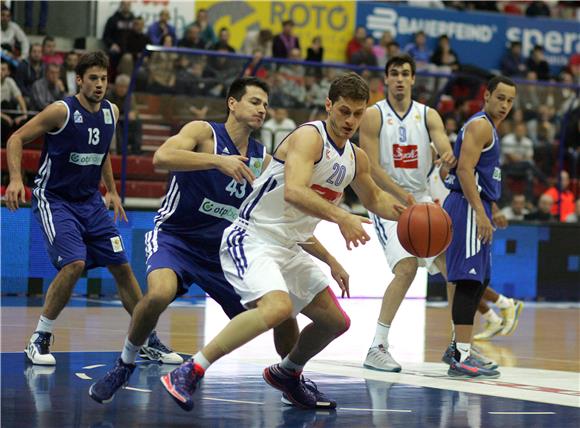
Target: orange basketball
425 230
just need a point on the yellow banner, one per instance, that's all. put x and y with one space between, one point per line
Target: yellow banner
334 21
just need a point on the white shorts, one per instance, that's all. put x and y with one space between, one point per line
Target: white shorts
394 252
255 265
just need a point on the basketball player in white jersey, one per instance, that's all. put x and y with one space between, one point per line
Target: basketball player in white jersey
263 252
396 134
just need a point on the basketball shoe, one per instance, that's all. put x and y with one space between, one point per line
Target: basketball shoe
38 349
481 360
511 316
379 358
103 390
470 368
490 330
182 382
298 390
155 350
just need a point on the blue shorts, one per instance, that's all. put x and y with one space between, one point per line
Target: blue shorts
467 257
78 231
192 264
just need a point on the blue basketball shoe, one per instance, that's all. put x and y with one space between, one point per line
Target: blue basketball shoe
105 388
182 382
478 357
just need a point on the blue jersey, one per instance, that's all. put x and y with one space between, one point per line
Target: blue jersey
487 170
199 205
73 156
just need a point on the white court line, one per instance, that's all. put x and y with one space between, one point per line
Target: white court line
375 410
233 401
130 388
522 413
94 366
84 376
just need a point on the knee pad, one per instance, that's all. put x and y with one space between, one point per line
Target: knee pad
467 296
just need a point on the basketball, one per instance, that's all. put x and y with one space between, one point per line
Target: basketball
425 230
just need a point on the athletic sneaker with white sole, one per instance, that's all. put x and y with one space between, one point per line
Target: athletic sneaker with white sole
155 350
490 330
38 349
379 358
511 316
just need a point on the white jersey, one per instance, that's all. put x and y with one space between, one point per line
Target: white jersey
437 188
266 212
404 146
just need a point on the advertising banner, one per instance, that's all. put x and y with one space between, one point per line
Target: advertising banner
478 38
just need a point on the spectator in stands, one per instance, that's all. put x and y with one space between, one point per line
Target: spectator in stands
543 211
356 43
14 42
315 95
276 129
517 209
451 129
380 49
49 89
117 30
286 92
222 71
512 63
315 51
293 72
529 99
444 57
68 74
161 28
30 70
566 196
365 56
192 38
135 43
117 95
537 8
284 42
575 216
224 41
162 69
261 40
49 53
393 49
376 90
42 17
251 69
542 131
565 98
419 50
517 152
537 63
207 33
11 99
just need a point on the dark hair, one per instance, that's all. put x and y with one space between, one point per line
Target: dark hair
47 39
400 60
287 22
92 59
349 85
238 87
495 81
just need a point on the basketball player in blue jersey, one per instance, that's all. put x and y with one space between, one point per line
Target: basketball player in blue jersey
78 232
213 166
475 186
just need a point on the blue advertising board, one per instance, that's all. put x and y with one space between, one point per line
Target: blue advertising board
477 38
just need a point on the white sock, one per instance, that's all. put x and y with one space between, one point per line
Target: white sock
464 349
381 335
129 354
44 324
290 365
200 359
503 302
491 317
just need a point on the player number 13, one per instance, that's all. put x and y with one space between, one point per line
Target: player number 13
94 136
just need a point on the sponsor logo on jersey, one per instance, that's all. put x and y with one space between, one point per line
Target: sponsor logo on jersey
108 117
86 159
256 165
328 194
78 117
406 156
496 174
218 210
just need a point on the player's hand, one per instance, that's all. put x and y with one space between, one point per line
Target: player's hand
15 193
484 228
235 167
448 160
500 220
353 231
113 198
340 276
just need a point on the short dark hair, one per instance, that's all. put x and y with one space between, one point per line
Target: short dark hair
47 39
287 22
238 87
400 60
92 59
349 85
495 81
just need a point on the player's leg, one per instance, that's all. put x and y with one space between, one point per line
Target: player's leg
493 323
510 310
285 336
129 291
328 322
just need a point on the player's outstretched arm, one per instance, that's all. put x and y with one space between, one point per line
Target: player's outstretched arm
193 149
315 248
304 149
51 118
477 134
370 128
440 139
371 196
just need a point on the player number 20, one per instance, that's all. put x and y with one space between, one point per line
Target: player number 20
338 175
94 136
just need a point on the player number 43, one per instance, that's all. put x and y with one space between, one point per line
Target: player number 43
236 189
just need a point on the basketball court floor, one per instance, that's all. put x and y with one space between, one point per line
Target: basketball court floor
539 386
